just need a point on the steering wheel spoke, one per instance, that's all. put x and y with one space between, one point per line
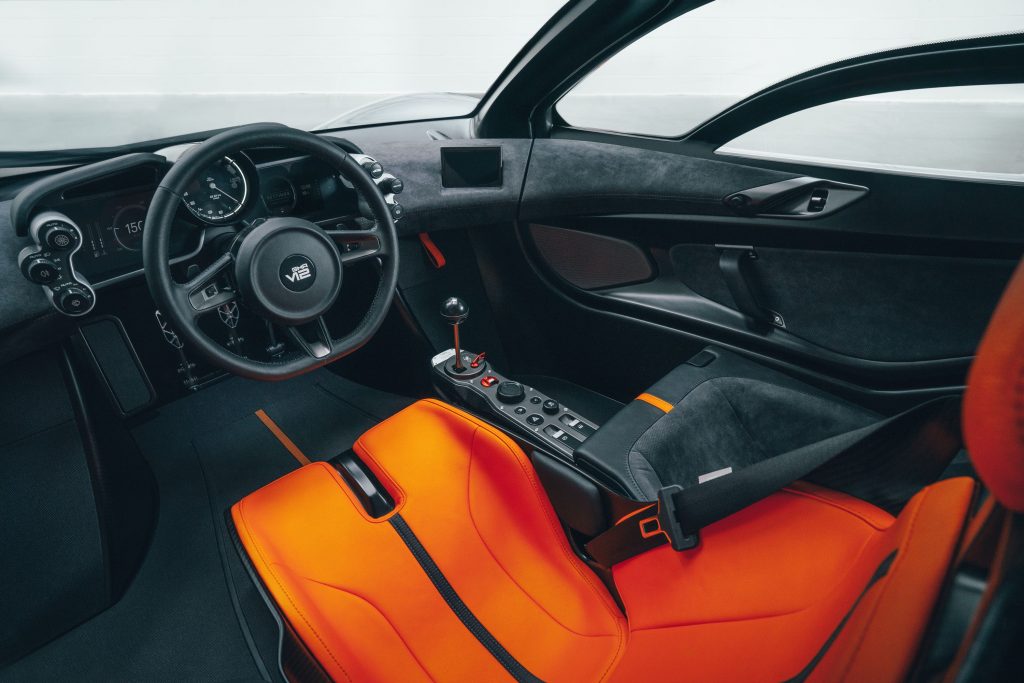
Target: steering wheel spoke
358 245
208 290
313 338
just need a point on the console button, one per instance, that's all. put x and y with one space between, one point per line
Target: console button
488 381
535 400
551 407
73 301
42 271
574 423
520 410
559 435
535 420
59 237
373 168
585 430
511 392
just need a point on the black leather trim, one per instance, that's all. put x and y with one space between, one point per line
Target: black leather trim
295 662
26 201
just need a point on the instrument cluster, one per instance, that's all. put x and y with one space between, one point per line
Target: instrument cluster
95 216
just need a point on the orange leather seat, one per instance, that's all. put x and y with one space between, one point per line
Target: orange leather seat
757 600
807 584
363 605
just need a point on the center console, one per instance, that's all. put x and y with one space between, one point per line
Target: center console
468 379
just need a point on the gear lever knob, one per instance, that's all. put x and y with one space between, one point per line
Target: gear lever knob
455 311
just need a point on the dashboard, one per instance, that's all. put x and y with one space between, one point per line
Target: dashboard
105 203
111 211
88 224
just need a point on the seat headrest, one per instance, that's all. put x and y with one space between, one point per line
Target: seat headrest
993 413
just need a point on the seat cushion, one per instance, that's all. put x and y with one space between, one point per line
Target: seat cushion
356 595
805 584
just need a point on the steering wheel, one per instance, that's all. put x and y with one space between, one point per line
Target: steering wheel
285 270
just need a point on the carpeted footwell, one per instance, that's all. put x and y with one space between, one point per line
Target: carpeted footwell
192 613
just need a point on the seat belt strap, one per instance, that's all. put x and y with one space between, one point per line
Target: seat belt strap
923 438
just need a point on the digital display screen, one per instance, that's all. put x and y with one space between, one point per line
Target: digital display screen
471 166
112 230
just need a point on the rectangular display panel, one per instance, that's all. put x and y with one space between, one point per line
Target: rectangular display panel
471 166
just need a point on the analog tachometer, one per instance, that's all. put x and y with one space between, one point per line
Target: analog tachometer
219 193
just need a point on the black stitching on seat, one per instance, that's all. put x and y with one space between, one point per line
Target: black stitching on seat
461 610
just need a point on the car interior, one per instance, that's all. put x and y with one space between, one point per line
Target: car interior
498 397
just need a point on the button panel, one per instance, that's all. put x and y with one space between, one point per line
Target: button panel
49 263
531 412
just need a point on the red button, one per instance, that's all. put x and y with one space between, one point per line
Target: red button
489 381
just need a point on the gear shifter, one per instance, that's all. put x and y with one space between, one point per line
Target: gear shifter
462 364
455 311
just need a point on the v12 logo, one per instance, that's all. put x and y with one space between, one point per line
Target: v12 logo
298 273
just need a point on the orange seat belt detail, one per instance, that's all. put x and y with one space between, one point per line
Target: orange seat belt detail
659 403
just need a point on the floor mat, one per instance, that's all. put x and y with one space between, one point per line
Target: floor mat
179 620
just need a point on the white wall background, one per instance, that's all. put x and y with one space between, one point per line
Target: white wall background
100 72
94 72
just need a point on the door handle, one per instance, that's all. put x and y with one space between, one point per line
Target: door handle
735 265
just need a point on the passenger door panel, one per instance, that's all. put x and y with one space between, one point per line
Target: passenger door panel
892 289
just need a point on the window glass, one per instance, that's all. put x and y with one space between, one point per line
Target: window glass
693 67
92 73
971 131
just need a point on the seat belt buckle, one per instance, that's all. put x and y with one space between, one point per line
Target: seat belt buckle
667 522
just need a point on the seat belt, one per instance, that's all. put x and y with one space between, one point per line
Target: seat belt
912 447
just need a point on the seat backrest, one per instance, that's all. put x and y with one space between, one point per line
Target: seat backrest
993 413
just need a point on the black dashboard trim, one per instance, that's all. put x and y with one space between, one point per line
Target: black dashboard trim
25 203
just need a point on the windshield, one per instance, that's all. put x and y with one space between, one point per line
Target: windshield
97 73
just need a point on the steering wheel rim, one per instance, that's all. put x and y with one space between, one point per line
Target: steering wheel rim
253 255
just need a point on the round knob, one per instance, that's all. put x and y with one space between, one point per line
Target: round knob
550 407
738 202
74 301
397 211
373 168
511 392
59 237
42 271
392 185
454 310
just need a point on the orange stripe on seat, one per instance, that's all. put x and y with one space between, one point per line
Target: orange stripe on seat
282 437
659 403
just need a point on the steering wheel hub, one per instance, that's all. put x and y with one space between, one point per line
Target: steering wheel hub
288 270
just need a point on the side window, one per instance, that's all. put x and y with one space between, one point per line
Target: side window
686 71
964 132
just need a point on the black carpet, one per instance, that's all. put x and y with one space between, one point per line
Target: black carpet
191 613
